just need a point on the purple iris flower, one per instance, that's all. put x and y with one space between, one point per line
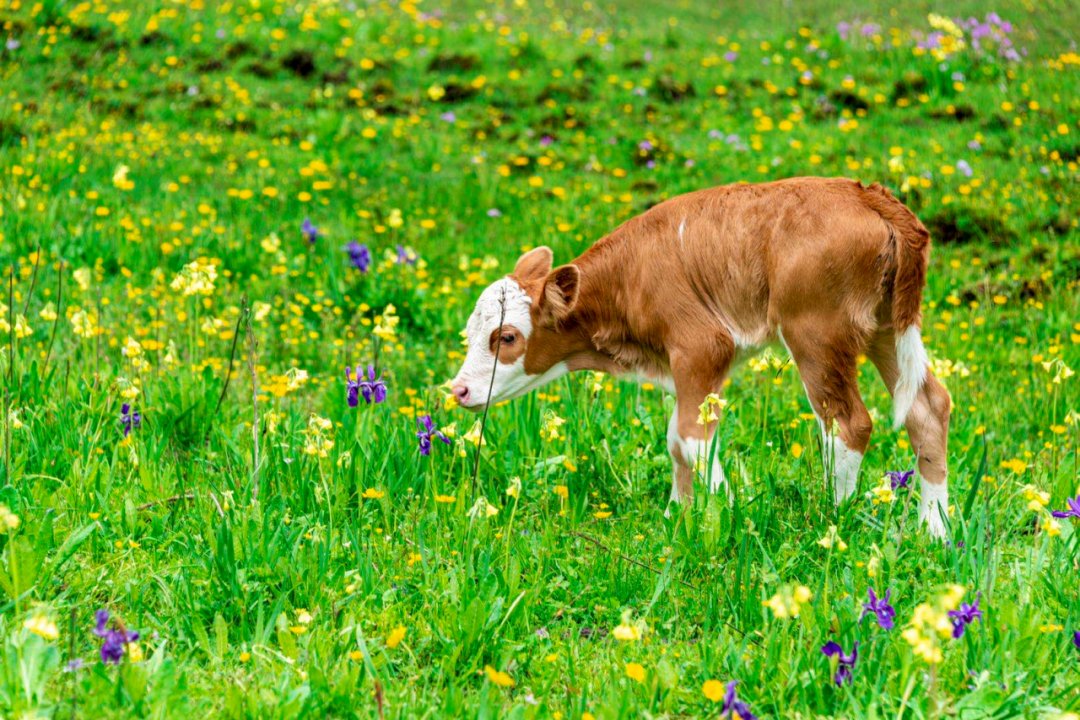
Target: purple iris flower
1076 639
881 608
131 419
406 256
359 255
426 432
734 706
311 233
964 616
899 478
1073 511
847 662
371 388
113 640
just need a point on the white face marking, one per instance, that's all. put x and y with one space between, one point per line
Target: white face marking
507 299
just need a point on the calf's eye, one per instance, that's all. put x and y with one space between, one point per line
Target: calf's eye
508 338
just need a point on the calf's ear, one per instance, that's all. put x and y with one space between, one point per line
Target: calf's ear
560 295
533 265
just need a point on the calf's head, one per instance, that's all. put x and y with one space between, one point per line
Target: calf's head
532 303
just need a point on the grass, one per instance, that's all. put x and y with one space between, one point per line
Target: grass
136 140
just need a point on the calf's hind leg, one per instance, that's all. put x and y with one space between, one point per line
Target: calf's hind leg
928 427
829 370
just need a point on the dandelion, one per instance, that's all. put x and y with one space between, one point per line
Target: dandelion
498 677
309 231
42 625
636 672
9 521
372 389
881 608
963 616
1073 511
426 432
114 640
845 663
395 637
359 256
130 419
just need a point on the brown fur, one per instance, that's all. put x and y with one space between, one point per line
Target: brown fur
834 267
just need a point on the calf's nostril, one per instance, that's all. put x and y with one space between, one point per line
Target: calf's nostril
461 392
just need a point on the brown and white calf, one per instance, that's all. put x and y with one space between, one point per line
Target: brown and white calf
829 267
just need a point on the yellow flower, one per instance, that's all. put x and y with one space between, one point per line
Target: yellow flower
713 690
9 521
82 278
498 677
373 494
1051 526
482 509
84 324
386 325
883 492
602 514
562 491
552 423
628 631
832 539
1037 499
796 450
513 488
42 625
707 411
395 637
196 278
930 625
635 671
788 601
473 436
447 499
303 617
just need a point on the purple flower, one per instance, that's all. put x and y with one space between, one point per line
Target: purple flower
311 233
842 29
1076 639
964 616
371 388
964 168
974 145
359 255
75 665
847 662
113 640
130 419
1074 509
406 256
899 478
645 146
731 56
494 212
881 608
546 140
12 44
426 432
734 706
449 117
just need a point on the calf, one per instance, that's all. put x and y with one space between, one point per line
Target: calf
827 266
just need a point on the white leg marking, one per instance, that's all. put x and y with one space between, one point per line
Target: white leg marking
841 464
697 453
673 449
933 506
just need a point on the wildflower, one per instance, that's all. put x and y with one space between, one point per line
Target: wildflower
373 494
498 677
788 601
395 637
386 324
114 640
883 493
552 423
82 278
195 278
426 432
635 671
628 631
359 256
42 625
1037 499
371 389
482 509
83 324
964 616
474 437
1073 511
9 521
310 232
75 665
494 212
513 488
13 419
317 443
707 411
406 255
1076 639
846 662
881 608
899 478
930 623
732 704
832 539
130 419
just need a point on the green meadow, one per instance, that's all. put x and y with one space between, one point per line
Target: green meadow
209 209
